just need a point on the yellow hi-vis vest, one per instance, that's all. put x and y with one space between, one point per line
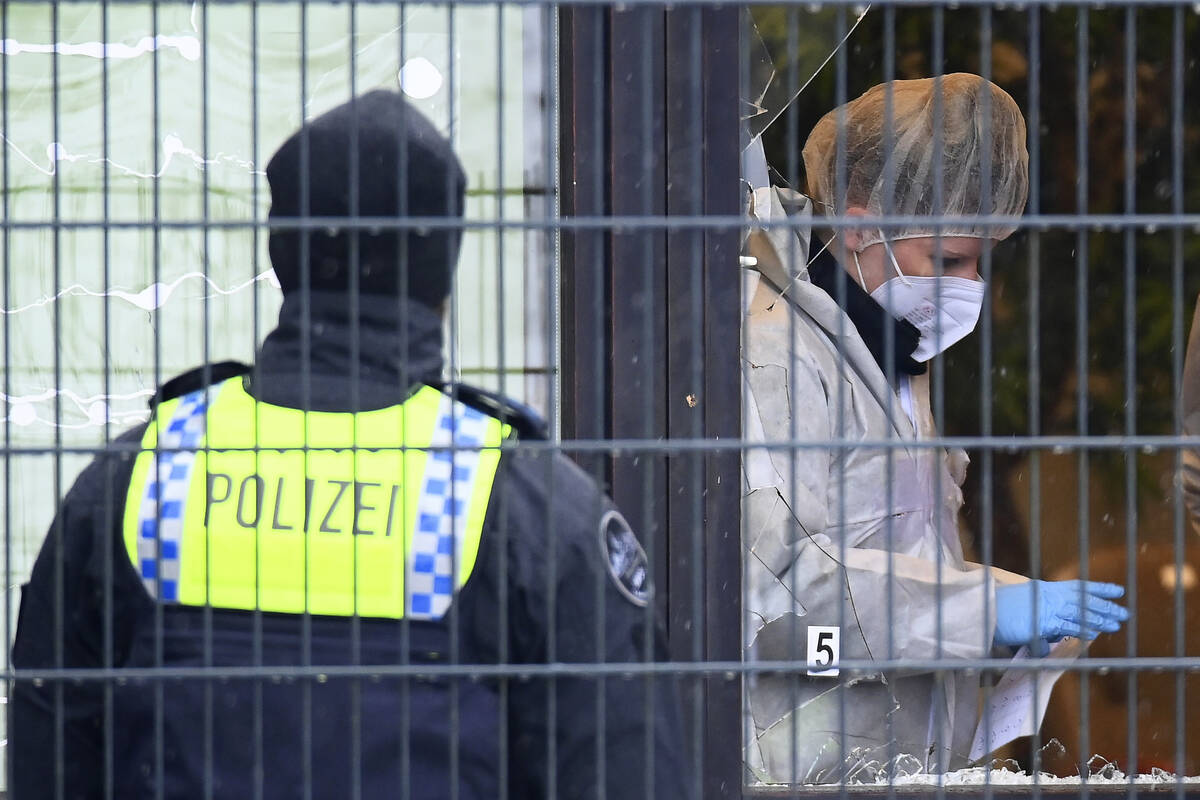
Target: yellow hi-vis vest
255 506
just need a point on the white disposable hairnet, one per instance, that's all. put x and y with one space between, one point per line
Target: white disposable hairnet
890 166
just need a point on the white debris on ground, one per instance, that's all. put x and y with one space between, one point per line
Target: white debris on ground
978 776
906 770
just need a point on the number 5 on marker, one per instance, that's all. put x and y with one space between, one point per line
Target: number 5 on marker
824 649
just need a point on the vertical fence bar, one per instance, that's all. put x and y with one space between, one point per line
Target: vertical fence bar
355 297
584 252
156 252
987 457
206 372
405 635
1081 331
795 139
455 372
6 254
256 229
555 135
585 297
685 396
638 282
688 97
306 397
110 508
648 53
722 51
1034 397
58 533
1130 320
1177 353
502 529
569 81
889 188
838 506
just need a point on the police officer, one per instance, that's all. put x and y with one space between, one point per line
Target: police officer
385 526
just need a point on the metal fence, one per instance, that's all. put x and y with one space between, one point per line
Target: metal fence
608 278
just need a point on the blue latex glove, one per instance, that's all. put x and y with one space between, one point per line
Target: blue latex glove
1063 608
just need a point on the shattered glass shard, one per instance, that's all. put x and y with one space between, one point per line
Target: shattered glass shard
778 78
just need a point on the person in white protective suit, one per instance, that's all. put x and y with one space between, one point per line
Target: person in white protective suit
862 536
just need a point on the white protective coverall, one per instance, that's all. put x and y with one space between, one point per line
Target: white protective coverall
1190 473
865 538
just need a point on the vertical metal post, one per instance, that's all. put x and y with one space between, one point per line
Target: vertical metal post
723 410
651 319
638 184
584 157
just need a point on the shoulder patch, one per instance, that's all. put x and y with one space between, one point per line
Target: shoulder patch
625 559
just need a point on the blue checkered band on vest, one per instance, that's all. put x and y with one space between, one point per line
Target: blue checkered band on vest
442 510
160 528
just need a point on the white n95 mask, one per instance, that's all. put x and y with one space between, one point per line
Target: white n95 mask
943 309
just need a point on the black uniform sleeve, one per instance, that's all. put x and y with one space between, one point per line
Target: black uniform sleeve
61 624
580 596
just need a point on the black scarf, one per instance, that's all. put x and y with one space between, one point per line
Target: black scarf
869 317
398 343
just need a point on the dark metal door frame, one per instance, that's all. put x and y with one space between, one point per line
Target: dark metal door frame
651 317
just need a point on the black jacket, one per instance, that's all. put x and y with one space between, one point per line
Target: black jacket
541 592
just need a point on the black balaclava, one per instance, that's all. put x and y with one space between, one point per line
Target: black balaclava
402 168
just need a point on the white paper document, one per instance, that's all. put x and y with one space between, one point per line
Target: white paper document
1018 701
